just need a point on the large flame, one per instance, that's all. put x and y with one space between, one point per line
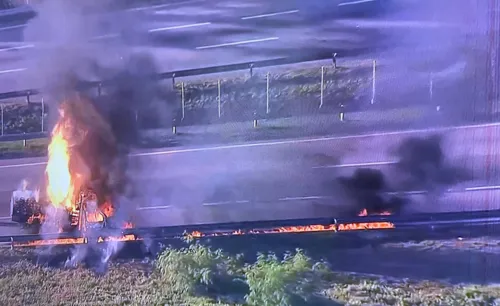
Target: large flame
60 187
66 171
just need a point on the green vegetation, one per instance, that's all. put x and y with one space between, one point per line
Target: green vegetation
291 92
34 147
199 275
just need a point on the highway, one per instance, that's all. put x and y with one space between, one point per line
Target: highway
198 33
286 179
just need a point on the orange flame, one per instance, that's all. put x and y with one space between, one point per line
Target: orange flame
60 188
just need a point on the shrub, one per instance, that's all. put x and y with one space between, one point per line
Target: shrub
197 267
282 282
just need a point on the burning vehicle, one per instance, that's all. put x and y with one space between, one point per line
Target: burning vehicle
81 175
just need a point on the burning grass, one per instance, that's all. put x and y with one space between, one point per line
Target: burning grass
198 275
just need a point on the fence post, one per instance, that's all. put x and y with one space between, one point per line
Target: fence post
251 70
183 102
431 90
268 109
43 113
173 80
374 77
219 106
28 99
99 89
1 118
322 86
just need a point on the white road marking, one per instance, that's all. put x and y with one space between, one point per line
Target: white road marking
153 7
225 203
13 27
244 42
22 165
12 70
106 36
355 2
365 164
16 48
288 142
270 15
493 187
154 207
179 27
303 198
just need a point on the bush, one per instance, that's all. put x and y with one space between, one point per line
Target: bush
196 268
282 282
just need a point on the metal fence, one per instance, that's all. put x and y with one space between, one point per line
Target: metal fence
251 95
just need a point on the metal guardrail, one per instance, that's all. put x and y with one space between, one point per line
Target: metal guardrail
192 72
250 65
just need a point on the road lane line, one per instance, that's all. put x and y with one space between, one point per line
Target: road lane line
16 48
153 7
13 27
493 187
154 207
303 198
270 15
292 141
244 42
310 140
180 27
12 70
22 165
225 203
380 163
106 36
355 2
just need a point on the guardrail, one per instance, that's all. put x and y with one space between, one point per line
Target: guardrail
191 72
250 66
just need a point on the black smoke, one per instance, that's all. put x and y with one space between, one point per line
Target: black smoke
421 167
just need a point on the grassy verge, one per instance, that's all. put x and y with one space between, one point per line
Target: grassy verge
291 92
198 275
14 149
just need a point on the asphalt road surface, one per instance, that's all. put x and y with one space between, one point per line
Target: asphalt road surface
198 33
286 179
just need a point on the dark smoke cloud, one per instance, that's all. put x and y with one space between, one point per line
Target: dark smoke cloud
421 166
68 52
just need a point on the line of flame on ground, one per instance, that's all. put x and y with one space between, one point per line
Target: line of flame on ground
73 241
342 227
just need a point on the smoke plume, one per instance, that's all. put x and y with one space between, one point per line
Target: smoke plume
421 167
74 43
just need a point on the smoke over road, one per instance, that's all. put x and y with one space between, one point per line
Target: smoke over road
421 166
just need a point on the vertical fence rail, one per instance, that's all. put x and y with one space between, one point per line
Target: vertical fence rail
183 101
268 107
219 105
374 81
43 114
1 119
322 86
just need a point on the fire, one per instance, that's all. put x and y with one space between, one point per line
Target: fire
364 213
60 188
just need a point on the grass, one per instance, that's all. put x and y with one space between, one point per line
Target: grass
34 147
291 92
199 275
